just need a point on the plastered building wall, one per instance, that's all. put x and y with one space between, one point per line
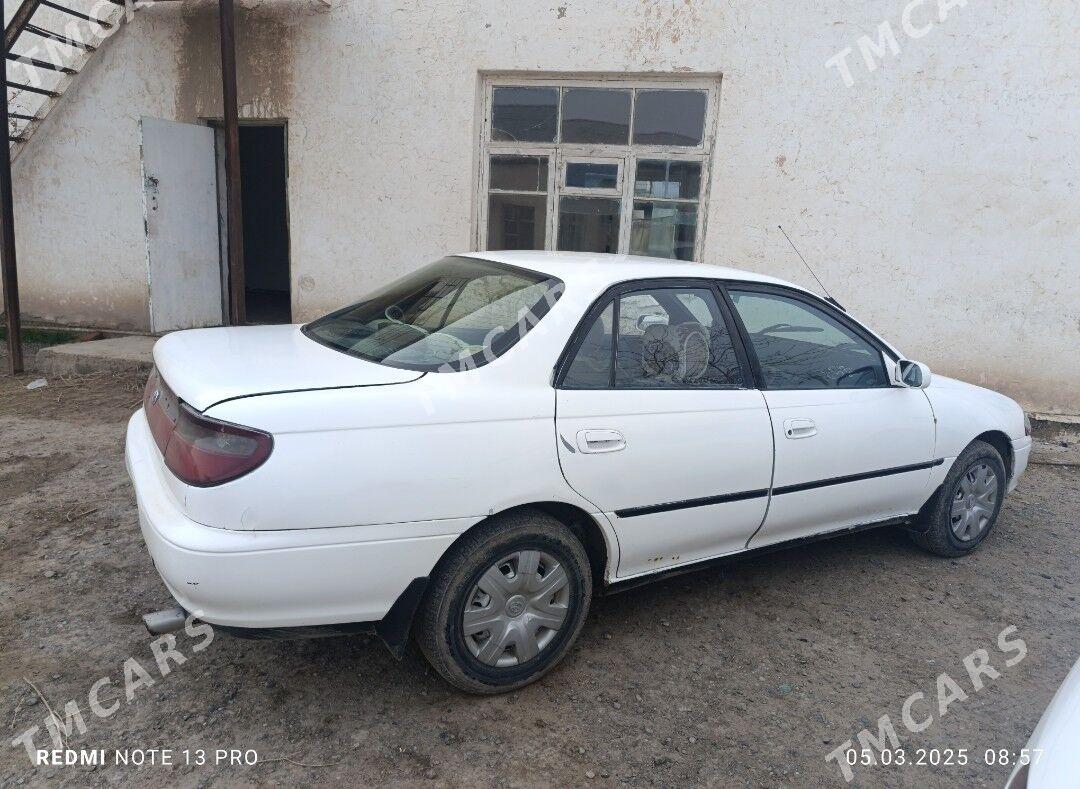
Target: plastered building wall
936 195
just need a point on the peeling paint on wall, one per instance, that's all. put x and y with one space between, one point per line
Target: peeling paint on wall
264 62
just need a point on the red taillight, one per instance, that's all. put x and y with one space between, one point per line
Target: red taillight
199 450
160 405
204 451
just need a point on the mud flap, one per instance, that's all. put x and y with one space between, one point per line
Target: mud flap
394 628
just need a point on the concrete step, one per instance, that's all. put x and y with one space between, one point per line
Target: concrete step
1057 439
131 354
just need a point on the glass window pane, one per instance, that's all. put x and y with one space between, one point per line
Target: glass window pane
674 338
669 117
591 368
590 175
524 114
668 180
520 173
588 224
802 347
516 221
663 230
457 313
592 115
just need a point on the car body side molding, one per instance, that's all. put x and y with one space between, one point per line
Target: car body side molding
632 512
705 501
885 472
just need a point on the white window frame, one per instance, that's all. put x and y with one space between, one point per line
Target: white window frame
559 153
590 191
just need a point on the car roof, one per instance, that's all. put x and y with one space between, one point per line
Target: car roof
600 270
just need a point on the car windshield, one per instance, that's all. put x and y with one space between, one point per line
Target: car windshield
455 314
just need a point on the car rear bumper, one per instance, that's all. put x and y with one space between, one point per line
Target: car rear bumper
1021 453
275 579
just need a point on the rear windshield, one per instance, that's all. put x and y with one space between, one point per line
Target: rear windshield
455 314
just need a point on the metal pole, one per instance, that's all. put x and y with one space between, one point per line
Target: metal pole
233 208
7 235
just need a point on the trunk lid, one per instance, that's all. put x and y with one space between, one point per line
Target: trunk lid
207 366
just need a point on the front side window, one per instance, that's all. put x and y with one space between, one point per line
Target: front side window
455 314
802 347
612 166
657 338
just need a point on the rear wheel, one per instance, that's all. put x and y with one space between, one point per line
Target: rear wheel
968 505
506 604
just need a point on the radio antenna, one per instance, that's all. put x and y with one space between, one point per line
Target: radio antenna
828 296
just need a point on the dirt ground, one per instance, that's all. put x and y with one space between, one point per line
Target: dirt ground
747 676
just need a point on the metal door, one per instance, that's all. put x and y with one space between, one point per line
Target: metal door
181 219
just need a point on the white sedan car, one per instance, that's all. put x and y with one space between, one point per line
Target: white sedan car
1051 758
470 453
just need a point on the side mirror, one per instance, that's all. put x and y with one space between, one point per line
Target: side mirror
913 375
645 321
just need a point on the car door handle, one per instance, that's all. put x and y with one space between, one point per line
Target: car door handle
799 428
600 441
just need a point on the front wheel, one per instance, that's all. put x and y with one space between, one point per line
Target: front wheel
506 604
968 505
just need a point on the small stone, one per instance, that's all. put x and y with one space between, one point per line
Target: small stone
693 740
784 689
617 705
590 774
50 573
429 773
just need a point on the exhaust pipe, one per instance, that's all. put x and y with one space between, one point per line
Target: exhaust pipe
168 620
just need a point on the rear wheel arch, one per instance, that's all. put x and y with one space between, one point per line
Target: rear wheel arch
591 534
584 526
500 540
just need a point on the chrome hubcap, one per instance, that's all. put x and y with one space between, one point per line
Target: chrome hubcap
973 502
516 608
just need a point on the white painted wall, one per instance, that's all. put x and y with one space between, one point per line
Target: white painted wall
937 196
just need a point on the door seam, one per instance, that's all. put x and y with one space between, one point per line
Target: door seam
772 472
566 479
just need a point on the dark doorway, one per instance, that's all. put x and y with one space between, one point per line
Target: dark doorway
263 175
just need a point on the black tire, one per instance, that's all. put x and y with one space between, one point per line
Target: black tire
439 624
938 536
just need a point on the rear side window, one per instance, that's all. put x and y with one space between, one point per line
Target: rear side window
591 367
802 347
657 338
